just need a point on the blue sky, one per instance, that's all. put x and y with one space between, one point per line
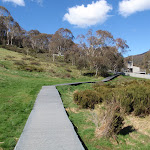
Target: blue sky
127 19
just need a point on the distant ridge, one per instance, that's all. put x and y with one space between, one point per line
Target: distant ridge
140 60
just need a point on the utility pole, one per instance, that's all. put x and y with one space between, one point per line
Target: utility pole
132 60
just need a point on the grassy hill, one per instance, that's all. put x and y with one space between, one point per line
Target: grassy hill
21 78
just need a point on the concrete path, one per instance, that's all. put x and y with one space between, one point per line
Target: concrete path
110 78
48 126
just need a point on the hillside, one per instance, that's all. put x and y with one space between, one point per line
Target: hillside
141 60
21 78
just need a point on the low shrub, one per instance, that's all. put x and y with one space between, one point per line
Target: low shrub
89 74
60 58
52 71
134 96
25 67
87 98
28 58
9 57
20 63
32 68
67 75
13 48
68 70
35 63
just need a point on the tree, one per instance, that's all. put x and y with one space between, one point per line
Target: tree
61 41
15 29
81 39
81 63
114 59
33 38
121 45
104 38
72 55
4 12
2 30
42 41
7 21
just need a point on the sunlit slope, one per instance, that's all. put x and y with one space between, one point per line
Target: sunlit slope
21 78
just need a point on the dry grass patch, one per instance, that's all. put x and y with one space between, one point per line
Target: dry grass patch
74 110
140 124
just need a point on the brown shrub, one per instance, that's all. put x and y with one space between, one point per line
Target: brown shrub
35 63
33 68
28 58
52 71
20 63
111 122
67 75
11 57
68 70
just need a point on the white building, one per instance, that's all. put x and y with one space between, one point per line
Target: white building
135 69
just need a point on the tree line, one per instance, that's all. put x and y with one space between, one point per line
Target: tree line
97 51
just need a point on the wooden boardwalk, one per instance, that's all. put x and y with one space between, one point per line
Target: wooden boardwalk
48 126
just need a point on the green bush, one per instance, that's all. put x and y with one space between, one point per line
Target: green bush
87 98
134 96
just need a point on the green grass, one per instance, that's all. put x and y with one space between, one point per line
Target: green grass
84 122
18 91
81 118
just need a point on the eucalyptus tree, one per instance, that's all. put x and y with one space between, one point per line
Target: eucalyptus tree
4 12
33 38
73 54
2 30
67 39
104 38
7 20
15 30
103 52
43 41
19 36
122 46
81 40
61 41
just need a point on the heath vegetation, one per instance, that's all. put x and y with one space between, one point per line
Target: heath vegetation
110 115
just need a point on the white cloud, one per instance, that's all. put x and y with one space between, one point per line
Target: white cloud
128 7
82 16
17 2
